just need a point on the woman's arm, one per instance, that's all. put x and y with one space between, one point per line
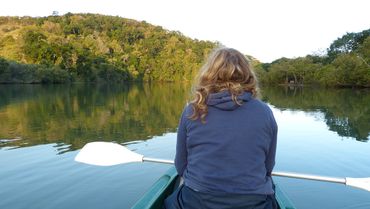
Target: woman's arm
270 158
181 151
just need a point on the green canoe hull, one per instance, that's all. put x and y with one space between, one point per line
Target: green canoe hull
165 185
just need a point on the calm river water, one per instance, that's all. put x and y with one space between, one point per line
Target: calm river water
321 131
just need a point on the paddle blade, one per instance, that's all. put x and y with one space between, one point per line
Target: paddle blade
361 183
106 154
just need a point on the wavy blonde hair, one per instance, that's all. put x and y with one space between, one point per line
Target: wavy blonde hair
225 69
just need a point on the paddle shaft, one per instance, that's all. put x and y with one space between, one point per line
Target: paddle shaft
310 177
281 174
156 160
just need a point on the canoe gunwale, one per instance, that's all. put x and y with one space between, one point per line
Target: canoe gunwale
165 185
162 188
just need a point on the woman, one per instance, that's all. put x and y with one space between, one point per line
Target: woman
226 140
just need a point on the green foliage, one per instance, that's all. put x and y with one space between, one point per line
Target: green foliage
345 65
351 70
94 48
347 43
37 49
3 65
12 72
97 48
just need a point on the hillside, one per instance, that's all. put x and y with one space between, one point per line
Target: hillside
91 47
98 48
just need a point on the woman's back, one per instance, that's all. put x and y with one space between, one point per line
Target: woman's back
230 153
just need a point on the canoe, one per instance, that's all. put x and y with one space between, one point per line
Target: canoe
166 184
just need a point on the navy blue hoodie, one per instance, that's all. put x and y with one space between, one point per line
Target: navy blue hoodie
233 151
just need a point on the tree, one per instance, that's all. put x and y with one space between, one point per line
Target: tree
3 65
347 43
351 70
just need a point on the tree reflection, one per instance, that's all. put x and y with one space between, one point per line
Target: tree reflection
346 111
77 114
72 115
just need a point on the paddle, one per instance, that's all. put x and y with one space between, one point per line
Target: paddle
108 153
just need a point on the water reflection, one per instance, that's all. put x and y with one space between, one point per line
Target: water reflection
77 114
72 115
345 111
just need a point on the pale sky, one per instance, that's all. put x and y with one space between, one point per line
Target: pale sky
265 29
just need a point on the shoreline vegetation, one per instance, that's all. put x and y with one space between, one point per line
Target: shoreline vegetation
99 48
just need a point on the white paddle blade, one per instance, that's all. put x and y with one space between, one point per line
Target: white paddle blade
106 154
361 183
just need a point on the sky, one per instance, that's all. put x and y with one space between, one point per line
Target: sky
265 29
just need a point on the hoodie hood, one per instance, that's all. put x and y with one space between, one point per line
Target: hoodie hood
223 100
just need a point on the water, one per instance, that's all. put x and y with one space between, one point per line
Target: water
321 131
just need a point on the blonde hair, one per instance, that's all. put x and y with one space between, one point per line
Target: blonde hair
225 69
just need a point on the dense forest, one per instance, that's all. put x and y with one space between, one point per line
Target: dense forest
90 47
98 48
346 63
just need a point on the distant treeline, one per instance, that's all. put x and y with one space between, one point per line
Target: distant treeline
93 48
96 48
346 63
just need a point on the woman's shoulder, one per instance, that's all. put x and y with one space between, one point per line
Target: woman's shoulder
258 103
266 110
188 108
187 111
